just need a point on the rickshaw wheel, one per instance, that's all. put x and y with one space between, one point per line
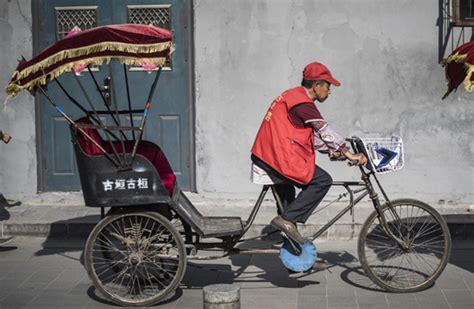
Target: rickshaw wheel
135 258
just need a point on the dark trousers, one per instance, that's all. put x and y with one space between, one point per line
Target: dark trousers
299 209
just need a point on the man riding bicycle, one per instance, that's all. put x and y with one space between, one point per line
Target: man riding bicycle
285 148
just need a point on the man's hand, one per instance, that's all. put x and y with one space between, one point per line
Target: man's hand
358 158
337 156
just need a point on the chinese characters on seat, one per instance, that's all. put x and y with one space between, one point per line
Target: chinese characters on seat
125 184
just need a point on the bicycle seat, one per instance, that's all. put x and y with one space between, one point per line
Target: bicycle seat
260 177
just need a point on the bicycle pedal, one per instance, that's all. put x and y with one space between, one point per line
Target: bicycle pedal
290 244
278 245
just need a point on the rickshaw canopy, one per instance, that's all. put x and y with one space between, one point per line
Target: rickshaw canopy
131 44
459 68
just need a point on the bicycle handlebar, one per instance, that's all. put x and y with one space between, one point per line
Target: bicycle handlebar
354 140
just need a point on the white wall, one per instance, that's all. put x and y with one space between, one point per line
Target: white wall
383 52
248 51
18 158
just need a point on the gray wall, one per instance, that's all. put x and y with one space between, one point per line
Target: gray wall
383 52
18 158
248 51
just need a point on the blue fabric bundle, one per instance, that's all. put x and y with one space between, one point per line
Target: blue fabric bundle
298 263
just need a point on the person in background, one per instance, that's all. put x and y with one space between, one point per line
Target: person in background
4 215
5 137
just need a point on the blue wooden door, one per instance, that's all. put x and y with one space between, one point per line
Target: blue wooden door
170 122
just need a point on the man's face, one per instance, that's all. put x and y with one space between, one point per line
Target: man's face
322 91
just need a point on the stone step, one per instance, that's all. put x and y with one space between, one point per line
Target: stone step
56 219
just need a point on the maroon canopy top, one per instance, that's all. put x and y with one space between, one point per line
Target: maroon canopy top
131 44
460 68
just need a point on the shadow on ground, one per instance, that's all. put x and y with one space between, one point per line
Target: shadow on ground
4 214
255 269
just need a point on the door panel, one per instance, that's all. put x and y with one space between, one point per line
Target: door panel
63 154
170 121
170 132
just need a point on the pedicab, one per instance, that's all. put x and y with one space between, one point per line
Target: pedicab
137 254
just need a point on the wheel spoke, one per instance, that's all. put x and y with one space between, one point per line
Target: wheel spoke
427 231
150 276
135 259
420 257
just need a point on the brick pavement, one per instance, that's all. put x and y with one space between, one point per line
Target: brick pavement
48 273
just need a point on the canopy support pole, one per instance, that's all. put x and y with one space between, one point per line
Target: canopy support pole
59 110
128 98
99 121
114 102
145 112
103 98
74 101
96 117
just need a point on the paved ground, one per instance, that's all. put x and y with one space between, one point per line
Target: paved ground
48 273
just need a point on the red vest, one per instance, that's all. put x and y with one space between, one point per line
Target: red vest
285 148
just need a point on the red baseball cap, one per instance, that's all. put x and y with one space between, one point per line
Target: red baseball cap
318 71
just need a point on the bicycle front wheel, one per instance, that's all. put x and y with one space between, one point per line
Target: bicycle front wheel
422 254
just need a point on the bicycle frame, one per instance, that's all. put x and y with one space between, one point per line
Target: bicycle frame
364 188
353 200
355 196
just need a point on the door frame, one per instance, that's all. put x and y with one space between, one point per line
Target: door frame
36 33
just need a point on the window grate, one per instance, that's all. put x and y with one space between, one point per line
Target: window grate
463 13
69 17
156 15
466 10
